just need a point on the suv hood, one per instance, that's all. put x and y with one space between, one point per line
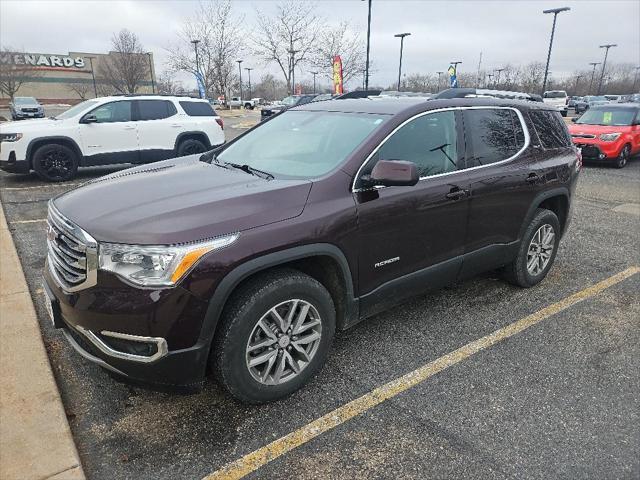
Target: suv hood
578 129
178 201
31 125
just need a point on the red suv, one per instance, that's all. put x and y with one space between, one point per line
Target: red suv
608 133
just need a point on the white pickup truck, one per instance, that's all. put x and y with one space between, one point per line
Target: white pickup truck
248 104
558 99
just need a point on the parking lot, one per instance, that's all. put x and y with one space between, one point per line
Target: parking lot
558 399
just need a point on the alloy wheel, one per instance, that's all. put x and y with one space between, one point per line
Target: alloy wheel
283 342
56 164
540 249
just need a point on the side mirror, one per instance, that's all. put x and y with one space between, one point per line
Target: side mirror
574 119
394 173
89 119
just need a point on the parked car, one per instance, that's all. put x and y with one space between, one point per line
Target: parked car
613 98
572 101
587 102
608 133
557 99
245 260
25 107
110 130
248 104
285 104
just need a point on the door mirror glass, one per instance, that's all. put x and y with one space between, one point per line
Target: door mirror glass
89 119
394 173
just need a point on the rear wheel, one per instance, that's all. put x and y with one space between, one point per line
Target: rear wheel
623 158
191 146
537 250
55 163
274 336
564 113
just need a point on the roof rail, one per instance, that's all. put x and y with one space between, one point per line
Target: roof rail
154 95
482 92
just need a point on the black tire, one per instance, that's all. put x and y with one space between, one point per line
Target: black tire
517 272
241 315
55 163
248 106
564 113
191 146
623 158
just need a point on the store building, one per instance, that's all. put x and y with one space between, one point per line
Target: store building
54 78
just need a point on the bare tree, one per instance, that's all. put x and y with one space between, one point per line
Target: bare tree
127 66
295 27
81 89
13 72
220 41
340 40
167 85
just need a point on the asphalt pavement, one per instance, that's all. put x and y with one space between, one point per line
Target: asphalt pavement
558 400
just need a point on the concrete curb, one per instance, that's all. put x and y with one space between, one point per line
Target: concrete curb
35 439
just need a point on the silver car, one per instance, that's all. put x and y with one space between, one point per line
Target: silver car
25 107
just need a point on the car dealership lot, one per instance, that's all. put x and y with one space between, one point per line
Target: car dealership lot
559 399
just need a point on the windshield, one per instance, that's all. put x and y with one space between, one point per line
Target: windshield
73 111
603 116
289 100
555 94
24 100
595 98
302 144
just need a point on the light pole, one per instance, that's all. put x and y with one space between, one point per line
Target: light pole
240 70
195 47
153 83
401 37
490 75
248 69
366 72
455 69
314 80
604 63
578 77
439 82
593 73
93 76
499 71
293 52
555 12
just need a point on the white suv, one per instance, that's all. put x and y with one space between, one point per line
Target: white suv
109 130
558 99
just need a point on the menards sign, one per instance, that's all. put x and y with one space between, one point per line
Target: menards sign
42 60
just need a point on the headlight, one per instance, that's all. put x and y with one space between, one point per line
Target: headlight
156 266
10 137
609 137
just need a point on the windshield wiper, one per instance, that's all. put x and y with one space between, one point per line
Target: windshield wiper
253 171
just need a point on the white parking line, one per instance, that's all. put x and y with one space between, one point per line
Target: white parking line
37 220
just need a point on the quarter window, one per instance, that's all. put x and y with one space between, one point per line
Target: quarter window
429 141
155 109
551 129
492 134
113 112
197 109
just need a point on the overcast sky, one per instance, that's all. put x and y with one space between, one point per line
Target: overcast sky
442 31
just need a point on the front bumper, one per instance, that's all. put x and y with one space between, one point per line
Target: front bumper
19 115
593 149
110 322
13 165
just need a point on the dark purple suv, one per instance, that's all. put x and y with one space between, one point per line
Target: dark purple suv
245 260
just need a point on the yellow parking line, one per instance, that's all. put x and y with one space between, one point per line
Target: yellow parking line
29 221
279 447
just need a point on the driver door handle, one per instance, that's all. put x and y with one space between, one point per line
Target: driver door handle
533 178
456 193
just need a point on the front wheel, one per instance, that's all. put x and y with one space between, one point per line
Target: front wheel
537 250
275 335
55 163
190 146
623 158
564 113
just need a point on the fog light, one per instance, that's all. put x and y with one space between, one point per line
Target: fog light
601 156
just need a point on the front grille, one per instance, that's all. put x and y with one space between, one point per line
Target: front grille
590 151
30 110
582 135
72 253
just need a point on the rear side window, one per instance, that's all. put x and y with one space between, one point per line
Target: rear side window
551 129
155 109
493 135
198 109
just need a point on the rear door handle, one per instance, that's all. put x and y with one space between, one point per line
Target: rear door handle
533 178
456 194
